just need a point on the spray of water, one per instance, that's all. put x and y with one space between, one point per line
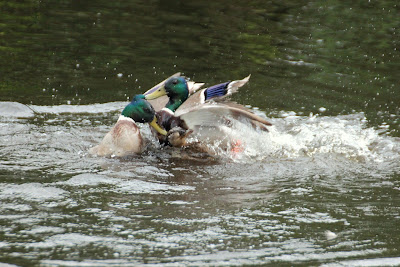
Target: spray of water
299 136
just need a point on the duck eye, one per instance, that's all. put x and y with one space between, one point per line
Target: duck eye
175 81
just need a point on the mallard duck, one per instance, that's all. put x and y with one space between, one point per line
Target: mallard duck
209 122
177 89
125 138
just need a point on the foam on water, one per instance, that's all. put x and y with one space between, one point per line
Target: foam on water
15 109
290 137
32 192
379 262
193 212
80 109
301 136
140 187
68 239
89 179
133 186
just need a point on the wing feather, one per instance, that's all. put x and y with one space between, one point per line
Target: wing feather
217 114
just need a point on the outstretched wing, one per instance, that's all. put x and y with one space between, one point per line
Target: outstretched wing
216 93
217 114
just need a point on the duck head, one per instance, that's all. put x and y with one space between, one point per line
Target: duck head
140 110
176 88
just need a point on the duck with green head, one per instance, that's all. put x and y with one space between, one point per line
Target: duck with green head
183 115
177 90
125 138
161 100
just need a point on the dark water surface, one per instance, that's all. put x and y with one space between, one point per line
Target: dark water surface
321 188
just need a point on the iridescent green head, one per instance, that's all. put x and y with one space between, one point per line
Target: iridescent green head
176 89
140 110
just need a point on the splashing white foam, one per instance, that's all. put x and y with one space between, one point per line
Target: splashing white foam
77 109
295 136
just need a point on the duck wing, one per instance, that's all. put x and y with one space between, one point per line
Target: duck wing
218 114
216 92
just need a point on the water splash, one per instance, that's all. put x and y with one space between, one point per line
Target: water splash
292 137
256 207
346 137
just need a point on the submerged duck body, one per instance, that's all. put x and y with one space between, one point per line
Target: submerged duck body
125 138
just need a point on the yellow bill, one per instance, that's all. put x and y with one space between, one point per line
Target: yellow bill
157 127
157 93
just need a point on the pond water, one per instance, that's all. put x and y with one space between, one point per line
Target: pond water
322 187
